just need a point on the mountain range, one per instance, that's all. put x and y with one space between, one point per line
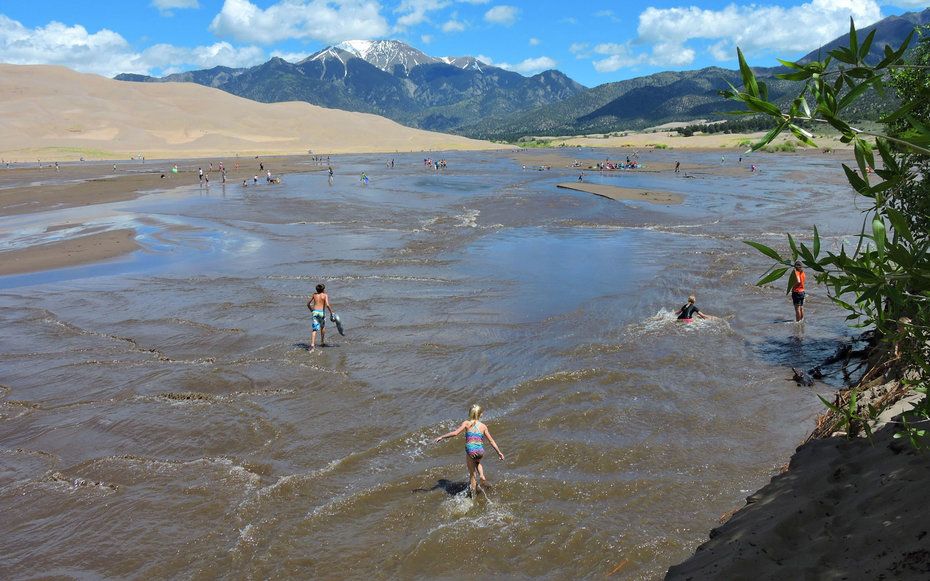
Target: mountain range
466 96
392 79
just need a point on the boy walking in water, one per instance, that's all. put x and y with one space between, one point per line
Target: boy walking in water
318 304
796 288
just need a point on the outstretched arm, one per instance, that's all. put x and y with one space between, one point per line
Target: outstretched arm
453 433
487 433
329 306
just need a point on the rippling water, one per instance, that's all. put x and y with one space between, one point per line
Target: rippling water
160 417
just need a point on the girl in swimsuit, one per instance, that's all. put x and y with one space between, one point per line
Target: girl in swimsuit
475 433
686 313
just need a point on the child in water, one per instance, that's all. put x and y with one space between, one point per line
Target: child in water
686 313
475 433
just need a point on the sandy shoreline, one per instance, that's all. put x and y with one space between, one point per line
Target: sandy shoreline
620 194
76 251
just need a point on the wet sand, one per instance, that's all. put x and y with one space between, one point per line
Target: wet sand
618 193
25 188
84 249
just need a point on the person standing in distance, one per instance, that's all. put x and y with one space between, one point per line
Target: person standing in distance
796 288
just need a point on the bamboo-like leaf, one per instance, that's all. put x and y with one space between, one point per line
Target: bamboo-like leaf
843 55
858 184
853 38
802 135
899 223
853 94
790 64
774 275
770 252
772 134
816 242
793 246
878 234
749 79
866 45
761 105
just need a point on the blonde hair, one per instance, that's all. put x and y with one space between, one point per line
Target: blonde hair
475 412
691 299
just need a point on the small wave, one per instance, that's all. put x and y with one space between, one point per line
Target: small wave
666 321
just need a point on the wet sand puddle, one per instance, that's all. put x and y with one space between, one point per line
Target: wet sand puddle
160 416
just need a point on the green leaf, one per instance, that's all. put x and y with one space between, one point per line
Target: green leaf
866 45
855 180
878 234
794 247
816 242
772 134
899 223
854 94
774 275
771 253
749 79
853 38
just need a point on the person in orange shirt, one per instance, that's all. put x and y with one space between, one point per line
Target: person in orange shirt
796 288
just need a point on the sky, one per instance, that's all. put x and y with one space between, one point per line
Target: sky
592 41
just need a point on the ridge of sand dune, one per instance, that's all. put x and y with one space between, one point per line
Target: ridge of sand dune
54 113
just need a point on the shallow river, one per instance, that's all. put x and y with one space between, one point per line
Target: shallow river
160 416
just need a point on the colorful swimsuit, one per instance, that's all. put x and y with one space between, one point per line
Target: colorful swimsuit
319 320
474 443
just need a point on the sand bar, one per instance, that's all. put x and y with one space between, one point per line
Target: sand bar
620 194
71 252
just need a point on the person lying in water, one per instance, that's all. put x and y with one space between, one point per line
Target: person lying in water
689 310
475 433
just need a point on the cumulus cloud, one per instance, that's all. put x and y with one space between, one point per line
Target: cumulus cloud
414 12
534 41
503 14
453 25
529 66
580 50
616 56
107 53
329 21
291 57
754 28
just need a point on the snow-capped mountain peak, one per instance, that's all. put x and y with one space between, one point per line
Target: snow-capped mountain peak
387 54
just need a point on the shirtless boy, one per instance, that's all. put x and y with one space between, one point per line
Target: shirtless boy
318 304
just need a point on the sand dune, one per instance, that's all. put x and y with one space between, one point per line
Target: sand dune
54 113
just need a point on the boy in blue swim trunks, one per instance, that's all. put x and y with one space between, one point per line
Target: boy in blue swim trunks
318 304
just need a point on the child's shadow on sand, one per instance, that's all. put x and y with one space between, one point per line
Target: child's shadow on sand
448 486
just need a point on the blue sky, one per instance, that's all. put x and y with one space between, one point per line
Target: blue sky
593 41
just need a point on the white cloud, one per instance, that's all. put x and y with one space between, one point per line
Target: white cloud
579 49
607 14
107 53
528 66
534 41
171 59
754 28
329 21
414 12
453 26
167 5
291 57
426 38
617 56
503 14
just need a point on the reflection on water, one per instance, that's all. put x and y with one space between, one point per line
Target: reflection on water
160 416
